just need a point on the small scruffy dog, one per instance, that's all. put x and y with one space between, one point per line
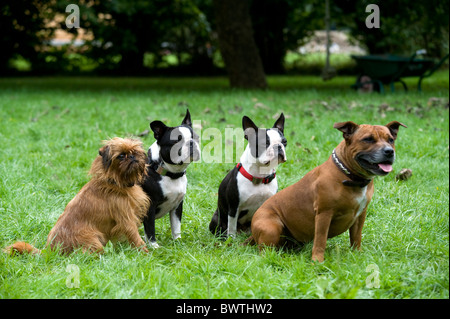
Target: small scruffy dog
110 206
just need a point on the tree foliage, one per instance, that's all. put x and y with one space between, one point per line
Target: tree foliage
134 36
23 31
124 30
406 26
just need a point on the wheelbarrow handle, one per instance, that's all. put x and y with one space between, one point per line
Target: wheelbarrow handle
421 52
397 75
431 71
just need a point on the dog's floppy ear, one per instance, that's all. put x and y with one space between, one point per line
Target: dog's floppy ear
158 128
248 126
393 128
104 152
187 119
348 128
279 124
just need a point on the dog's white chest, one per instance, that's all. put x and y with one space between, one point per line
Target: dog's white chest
251 196
174 191
361 202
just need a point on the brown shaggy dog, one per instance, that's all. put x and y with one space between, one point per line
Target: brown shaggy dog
110 206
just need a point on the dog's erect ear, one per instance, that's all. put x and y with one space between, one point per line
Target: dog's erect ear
248 126
393 128
187 119
348 128
104 152
158 128
279 124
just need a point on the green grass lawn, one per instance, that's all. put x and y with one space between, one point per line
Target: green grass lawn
50 132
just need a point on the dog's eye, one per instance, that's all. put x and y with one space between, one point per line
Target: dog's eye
369 139
284 141
391 140
121 156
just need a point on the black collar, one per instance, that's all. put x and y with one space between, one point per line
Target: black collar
158 168
355 180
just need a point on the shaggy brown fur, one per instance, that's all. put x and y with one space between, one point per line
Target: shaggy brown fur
110 206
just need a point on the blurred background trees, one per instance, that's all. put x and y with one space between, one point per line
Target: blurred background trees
406 26
194 37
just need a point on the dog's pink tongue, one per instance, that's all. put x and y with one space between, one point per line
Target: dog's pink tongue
385 167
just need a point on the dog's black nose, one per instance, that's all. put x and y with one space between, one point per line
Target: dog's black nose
388 151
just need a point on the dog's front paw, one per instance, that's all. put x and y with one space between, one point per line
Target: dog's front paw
317 258
154 244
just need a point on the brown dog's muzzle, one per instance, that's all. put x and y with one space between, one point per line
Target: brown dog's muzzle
378 162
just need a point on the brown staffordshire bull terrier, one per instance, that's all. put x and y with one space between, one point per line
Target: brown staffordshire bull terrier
334 196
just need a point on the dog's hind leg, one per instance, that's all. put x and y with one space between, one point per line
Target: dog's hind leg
267 229
93 248
250 241
90 240
218 224
214 223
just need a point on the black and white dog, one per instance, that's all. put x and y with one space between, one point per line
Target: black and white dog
168 158
252 181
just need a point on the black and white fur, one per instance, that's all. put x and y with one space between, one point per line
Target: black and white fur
168 158
239 197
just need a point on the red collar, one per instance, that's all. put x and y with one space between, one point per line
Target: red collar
253 179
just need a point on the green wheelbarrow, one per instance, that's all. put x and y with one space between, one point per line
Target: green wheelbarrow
377 70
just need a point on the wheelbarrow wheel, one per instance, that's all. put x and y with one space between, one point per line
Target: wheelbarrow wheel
365 84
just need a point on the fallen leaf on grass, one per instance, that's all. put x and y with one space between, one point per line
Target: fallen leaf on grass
261 106
237 109
384 107
404 174
183 103
436 101
144 133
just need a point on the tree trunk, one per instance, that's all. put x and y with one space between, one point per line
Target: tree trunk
269 18
131 63
237 44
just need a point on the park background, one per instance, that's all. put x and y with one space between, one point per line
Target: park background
195 37
64 90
